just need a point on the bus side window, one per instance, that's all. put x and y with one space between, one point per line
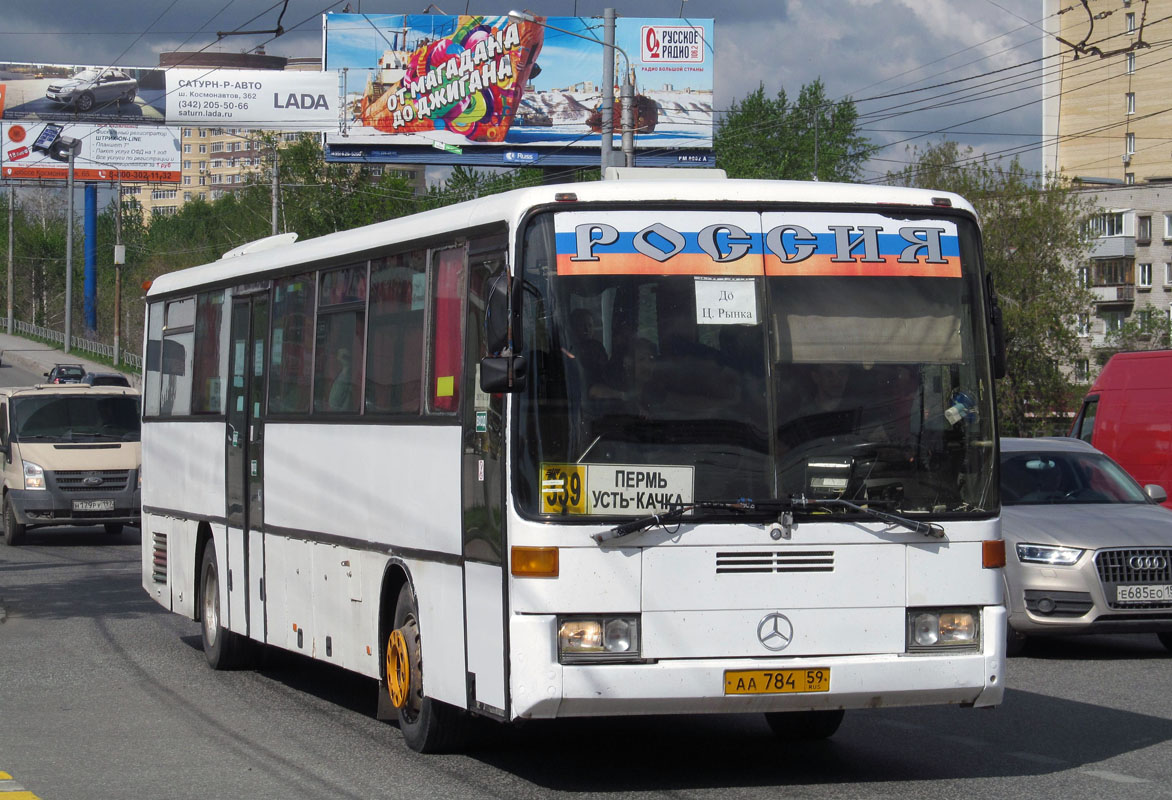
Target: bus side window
448 338
394 358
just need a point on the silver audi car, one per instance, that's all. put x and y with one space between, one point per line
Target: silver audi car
1087 549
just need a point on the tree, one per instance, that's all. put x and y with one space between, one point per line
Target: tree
814 138
1033 232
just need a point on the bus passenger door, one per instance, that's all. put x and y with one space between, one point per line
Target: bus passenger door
485 580
245 466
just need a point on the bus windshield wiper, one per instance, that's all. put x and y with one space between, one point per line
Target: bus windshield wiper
746 506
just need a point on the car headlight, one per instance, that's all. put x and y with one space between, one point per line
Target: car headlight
1048 554
34 476
587 640
947 628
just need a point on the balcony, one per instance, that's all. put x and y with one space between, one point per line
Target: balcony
1113 295
1113 247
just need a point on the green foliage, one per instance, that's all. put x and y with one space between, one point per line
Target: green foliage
1032 232
1141 331
814 138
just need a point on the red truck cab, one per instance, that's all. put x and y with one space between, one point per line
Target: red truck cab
1128 415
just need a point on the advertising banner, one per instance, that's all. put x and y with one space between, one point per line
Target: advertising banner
254 98
39 150
232 98
446 89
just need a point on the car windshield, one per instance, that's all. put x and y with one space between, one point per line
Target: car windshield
87 75
1048 477
653 382
75 418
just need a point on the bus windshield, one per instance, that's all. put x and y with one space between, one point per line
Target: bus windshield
682 356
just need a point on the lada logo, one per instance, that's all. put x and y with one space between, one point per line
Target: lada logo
775 631
1147 562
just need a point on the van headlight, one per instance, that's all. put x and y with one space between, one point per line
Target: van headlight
942 628
601 639
34 476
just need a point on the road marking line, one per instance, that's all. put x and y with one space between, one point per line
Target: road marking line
1115 777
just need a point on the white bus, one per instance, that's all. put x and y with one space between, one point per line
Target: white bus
638 446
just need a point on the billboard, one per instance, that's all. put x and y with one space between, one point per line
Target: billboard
497 90
255 99
117 151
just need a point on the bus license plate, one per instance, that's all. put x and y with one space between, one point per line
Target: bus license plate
1140 593
93 505
777 681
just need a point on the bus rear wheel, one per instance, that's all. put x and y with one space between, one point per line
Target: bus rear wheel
804 725
428 725
224 649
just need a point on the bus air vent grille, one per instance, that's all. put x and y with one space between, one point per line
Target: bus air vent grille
159 558
772 561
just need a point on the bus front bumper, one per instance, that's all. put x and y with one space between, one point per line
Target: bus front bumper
546 689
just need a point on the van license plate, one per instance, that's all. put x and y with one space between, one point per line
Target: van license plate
93 505
776 681
1144 593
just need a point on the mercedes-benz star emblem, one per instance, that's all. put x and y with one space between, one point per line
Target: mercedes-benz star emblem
775 631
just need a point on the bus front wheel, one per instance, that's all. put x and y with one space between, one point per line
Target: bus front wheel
428 725
804 725
224 649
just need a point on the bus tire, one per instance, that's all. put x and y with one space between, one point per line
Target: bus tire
428 725
13 530
224 649
804 725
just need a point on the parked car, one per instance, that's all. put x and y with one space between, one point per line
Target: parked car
92 87
1125 414
1087 549
105 379
65 373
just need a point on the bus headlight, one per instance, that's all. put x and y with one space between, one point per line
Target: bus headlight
952 628
589 640
34 476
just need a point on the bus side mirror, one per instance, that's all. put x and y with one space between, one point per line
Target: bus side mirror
503 374
996 330
496 315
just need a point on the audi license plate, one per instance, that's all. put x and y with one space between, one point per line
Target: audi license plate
93 505
777 681
1144 593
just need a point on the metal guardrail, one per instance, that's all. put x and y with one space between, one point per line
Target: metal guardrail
77 343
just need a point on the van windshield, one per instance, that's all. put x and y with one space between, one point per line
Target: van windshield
75 418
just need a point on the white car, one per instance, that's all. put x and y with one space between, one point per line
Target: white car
93 87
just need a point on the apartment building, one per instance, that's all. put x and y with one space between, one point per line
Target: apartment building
1107 79
1129 269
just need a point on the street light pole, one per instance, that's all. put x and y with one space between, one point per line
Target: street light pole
626 91
69 254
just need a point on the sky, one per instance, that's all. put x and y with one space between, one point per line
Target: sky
918 70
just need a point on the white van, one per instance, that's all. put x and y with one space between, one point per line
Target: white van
71 456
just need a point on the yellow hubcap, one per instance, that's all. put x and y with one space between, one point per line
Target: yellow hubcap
398 669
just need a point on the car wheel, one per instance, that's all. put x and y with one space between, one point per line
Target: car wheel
85 102
113 528
804 725
13 530
1015 642
1166 639
224 649
428 725
130 96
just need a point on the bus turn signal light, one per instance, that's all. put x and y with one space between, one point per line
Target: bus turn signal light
993 553
535 562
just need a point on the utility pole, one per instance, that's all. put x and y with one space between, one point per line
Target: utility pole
69 255
276 192
119 260
11 249
607 144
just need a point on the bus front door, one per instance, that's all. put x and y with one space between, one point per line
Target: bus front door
245 466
